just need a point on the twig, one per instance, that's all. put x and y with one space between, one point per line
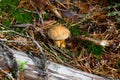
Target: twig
37 13
8 74
89 14
63 53
22 25
36 43
40 17
14 41
53 52
103 43
39 47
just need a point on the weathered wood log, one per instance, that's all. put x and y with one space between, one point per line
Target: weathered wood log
11 62
34 69
56 71
60 72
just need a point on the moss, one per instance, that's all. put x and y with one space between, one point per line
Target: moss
18 15
95 49
75 31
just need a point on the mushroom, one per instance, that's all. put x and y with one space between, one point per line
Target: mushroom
59 34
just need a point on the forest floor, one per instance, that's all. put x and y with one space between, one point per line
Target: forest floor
94 43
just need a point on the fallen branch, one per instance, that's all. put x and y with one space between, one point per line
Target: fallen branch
7 74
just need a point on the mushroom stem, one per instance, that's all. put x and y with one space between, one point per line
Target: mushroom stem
60 43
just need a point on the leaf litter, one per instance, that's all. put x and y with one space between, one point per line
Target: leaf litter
94 45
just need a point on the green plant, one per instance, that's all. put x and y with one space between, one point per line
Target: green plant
75 31
95 49
11 14
113 13
118 64
22 65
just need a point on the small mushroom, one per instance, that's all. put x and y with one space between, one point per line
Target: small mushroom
59 34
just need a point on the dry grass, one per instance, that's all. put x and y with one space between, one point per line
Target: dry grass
89 25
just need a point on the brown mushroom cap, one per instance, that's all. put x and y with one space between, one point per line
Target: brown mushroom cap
59 33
